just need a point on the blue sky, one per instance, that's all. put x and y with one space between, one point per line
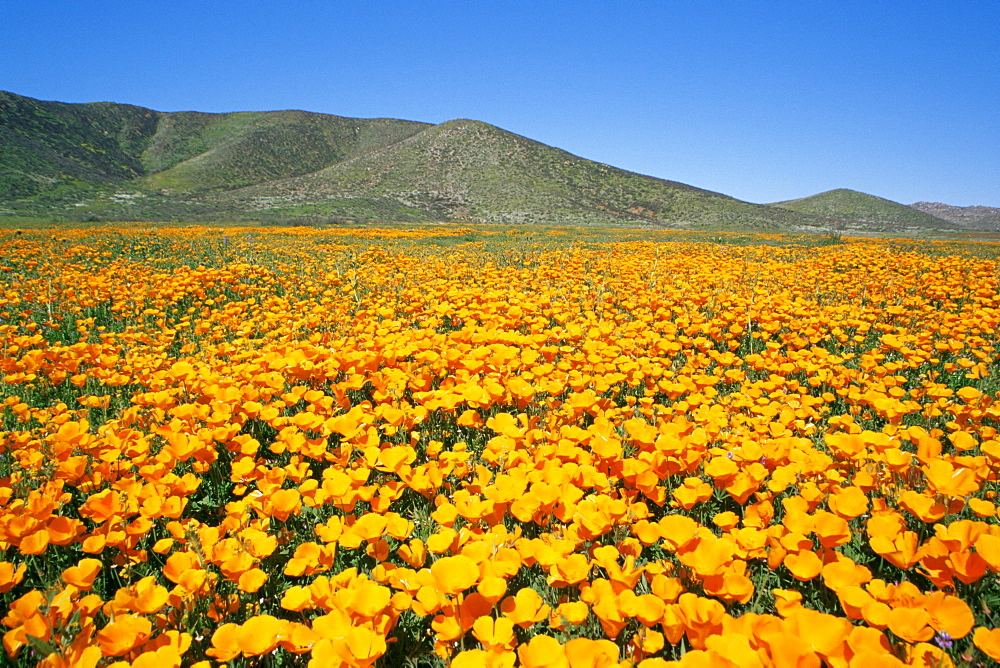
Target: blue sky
763 101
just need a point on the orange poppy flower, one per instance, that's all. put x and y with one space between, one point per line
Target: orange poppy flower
102 506
63 530
252 580
492 588
283 503
224 643
10 576
899 549
730 583
692 492
677 530
525 608
163 657
542 652
784 648
787 601
575 612
922 506
310 558
911 624
667 588
588 653
831 530
824 634
455 574
647 532
848 502
982 508
866 640
259 543
569 571
649 609
726 521
83 574
179 563
988 640
367 598
707 556
479 658
803 565
494 633
147 596
951 480
35 543
845 573
259 634
734 649
296 599
701 617
123 634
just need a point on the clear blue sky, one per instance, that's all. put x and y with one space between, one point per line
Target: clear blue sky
761 100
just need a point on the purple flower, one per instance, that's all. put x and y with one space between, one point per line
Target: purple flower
944 640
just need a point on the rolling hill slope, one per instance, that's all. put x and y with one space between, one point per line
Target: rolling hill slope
470 170
69 160
193 152
108 161
52 146
866 211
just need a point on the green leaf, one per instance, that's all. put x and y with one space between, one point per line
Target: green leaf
43 647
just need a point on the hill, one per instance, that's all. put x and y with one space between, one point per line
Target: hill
967 217
102 159
111 161
192 152
108 161
864 211
470 170
51 147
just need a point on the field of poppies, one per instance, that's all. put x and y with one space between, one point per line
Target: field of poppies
457 447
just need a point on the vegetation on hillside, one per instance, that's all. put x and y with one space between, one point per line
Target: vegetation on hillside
108 162
470 170
49 147
192 152
851 205
111 161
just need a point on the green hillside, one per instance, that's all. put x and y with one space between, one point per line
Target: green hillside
107 161
51 147
120 161
193 152
470 170
861 209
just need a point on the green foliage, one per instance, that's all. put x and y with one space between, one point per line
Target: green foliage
852 206
112 162
104 161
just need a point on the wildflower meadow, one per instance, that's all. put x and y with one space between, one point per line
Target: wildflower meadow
496 447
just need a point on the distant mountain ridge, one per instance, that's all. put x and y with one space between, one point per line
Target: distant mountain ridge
109 161
968 217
